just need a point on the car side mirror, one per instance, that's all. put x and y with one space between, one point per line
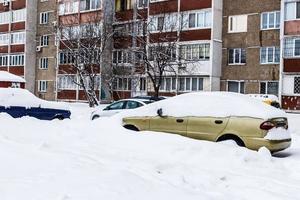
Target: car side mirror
160 112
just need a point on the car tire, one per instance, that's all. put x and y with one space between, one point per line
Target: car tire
234 138
59 117
95 117
131 127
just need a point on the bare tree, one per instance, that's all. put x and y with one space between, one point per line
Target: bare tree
158 47
82 47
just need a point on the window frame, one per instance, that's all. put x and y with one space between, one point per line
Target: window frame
268 20
240 56
42 86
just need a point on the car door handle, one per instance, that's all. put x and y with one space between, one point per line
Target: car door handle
179 120
219 122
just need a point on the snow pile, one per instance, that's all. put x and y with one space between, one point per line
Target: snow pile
278 134
216 104
21 97
8 77
80 159
263 97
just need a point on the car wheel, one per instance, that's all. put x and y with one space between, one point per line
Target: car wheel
59 117
95 117
131 127
234 138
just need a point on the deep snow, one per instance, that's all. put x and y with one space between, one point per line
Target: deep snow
79 159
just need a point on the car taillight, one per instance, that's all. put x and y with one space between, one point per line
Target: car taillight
267 125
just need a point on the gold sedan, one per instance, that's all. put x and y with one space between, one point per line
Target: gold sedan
249 131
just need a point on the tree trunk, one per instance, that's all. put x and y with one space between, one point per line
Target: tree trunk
156 92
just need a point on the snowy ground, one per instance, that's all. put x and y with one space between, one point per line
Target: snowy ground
79 159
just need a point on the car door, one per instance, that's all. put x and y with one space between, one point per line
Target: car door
206 128
168 124
114 108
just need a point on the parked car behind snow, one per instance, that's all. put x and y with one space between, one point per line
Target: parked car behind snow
119 106
20 102
269 99
215 116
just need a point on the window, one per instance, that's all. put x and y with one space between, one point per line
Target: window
188 84
44 17
122 56
18 38
163 23
237 23
4 39
199 19
142 3
122 84
270 20
195 52
236 86
166 53
66 82
19 15
237 56
116 106
17 60
68 8
132 105
44 40
89 5
291 47
66 58
4 17
297 85
42 86
143 84
122 5
269 87
269 55
44 63
292 10
3 60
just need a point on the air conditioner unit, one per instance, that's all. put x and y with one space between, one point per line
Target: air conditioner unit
38 48
5 2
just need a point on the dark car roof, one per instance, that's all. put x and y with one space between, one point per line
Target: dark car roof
152 98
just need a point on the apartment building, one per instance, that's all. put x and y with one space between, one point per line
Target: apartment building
199 31
251 46
290 63
73 15
17 33
46 50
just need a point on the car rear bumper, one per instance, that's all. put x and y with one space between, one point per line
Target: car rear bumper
272 145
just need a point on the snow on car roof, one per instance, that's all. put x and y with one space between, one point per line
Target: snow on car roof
215 104
8 77
24 98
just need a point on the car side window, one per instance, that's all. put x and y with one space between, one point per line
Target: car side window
133 104
116 106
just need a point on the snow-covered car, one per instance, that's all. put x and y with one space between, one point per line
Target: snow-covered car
119 106
20 102
269 99
215 116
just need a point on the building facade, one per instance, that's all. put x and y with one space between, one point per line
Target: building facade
290 63
17 33
46 50
72 17
198 46
251 46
